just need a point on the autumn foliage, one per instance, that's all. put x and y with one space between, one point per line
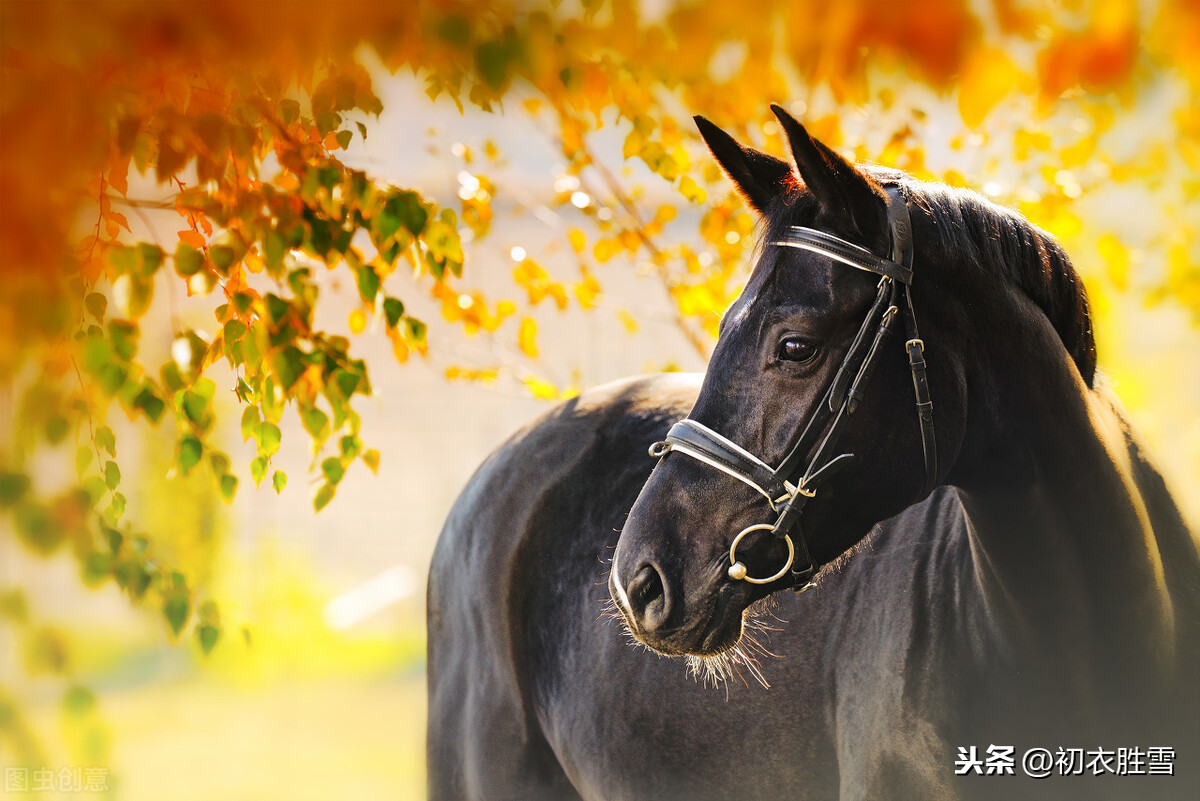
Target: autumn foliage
238 113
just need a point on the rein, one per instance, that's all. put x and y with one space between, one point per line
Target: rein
786 494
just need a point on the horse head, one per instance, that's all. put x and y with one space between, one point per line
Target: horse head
807 404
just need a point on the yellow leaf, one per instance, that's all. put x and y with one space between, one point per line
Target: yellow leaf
1117 257
358 321
578 239
254 262
540 389
989 75
692 190
527 337
604 250
587 290
628 320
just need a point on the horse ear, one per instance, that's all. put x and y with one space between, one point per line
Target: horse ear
843 191
758 176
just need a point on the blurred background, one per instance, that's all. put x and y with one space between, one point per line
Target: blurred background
171 630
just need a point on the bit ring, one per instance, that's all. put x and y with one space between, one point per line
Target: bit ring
737 571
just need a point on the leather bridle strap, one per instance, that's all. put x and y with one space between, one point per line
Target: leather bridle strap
788 496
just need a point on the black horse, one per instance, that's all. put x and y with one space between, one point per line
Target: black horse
1045 595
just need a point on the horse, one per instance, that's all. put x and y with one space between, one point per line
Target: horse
965 584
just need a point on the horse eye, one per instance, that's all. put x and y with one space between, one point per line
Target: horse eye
796 349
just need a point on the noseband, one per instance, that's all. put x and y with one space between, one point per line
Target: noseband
786 494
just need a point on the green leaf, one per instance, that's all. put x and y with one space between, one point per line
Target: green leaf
414 329
228 486
95 488
455 29
176 608
12 487
112 378
350 446
133 578
287 364
188 260
79 701
205 388
57 428
328 121
96 568
344 138
333 469
194 406
96 304
393 310
171 377
106 440
274 249
316 423
83 459
112 475
209 612
207 635
190 450
149 258
116 508
150 403
492 60
346 382
279 481
323 497
37 528
219 462
124 338
222 257
407 207
243 301
362 130
251 419
268 439
368 283
234 330
290 110
258 469
123 259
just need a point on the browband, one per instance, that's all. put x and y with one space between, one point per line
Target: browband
846 252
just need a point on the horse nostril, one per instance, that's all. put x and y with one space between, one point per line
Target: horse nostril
647 596
647 586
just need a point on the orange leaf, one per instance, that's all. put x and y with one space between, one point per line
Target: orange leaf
192 238
119 219
988 77
118 174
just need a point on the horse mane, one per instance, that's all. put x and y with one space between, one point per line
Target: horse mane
973 228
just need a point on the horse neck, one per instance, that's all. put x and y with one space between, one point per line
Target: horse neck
1064 545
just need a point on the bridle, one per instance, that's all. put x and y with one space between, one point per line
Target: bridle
789 496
